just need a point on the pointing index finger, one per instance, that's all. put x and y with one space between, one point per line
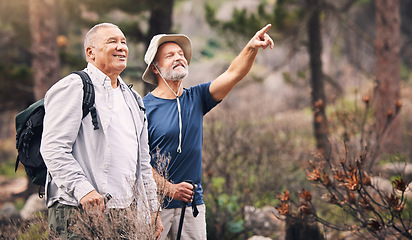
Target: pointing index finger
264 30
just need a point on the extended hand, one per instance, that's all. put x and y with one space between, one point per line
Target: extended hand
262 39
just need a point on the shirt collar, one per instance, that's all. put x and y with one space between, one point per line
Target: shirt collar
99 76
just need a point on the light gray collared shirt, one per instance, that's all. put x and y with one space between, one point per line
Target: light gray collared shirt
78 157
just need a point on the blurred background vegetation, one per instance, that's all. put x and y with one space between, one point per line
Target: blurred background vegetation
307 99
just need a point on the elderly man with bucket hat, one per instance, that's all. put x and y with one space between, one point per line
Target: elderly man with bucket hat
175 123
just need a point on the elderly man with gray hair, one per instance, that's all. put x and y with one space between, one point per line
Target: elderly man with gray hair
175 116
86 163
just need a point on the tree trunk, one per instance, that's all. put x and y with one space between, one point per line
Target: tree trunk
387 90
302 229
45 60
318 94
45 56
160 22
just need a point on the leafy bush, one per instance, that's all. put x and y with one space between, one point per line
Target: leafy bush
246 160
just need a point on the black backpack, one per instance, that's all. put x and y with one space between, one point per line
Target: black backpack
29 128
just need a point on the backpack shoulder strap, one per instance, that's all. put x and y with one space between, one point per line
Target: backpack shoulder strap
88 97
139 101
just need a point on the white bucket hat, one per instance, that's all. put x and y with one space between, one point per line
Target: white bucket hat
180 39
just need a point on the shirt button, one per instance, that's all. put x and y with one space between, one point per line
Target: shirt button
106 166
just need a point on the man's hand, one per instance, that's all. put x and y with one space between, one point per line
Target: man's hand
182 192
93 202
241 65
262 39
157 222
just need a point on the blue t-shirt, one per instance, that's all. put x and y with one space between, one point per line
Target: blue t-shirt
163 126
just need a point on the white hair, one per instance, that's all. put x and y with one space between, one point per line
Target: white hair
90 38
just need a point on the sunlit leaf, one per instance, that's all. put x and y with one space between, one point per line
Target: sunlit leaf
306 195
284 209
285 197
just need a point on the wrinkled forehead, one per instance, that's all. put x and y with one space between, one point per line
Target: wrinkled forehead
111 32
105 34
168 47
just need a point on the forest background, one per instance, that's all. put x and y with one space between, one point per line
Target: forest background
335 92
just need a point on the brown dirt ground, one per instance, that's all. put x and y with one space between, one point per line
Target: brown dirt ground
10 189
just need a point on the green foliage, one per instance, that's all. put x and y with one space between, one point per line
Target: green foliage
218 184
228 203
12 71
363 2
248 158
14 23
15 73
406 74
347 117
280 14
288 15
393 158
71 60
285 16
8 154
227 207
35 231
209 50
334 214
210 15
266 199
242 22
128 6
294 79
395 177
407 213
7 169
15 83
19 203
287 78
235 227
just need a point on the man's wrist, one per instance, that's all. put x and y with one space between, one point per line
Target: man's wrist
169 189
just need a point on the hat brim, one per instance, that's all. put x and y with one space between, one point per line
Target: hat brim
180 39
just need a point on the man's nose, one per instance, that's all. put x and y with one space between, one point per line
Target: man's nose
180 58
121 47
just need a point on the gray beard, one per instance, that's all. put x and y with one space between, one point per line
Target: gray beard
172 75
175 76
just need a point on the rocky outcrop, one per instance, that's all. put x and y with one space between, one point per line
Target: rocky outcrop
397 169
33 205
262 222
9 214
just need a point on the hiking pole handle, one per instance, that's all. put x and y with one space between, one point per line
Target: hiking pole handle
182 214
195 211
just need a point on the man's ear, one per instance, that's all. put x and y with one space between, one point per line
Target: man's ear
90 53
153 68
